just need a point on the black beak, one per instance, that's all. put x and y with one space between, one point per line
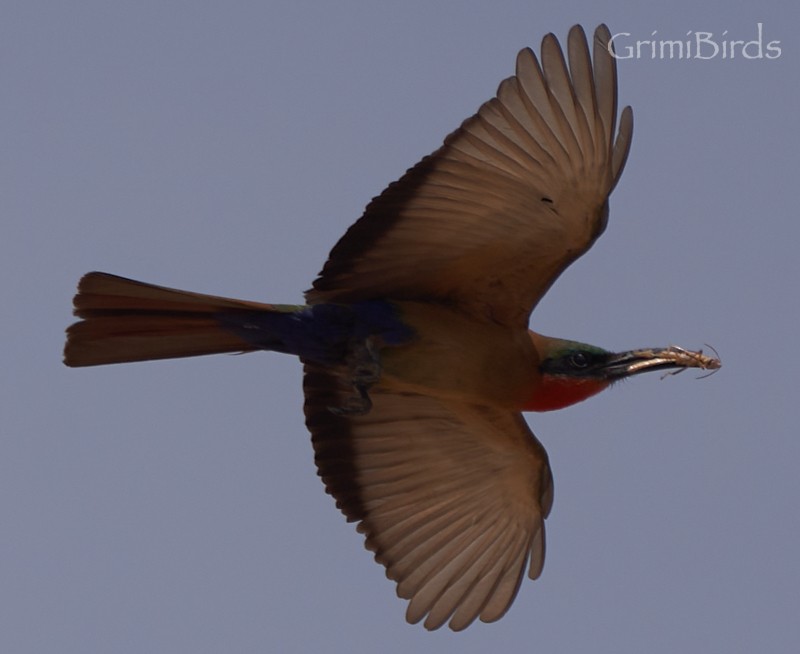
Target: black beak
626 364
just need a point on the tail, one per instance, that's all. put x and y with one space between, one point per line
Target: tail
125 320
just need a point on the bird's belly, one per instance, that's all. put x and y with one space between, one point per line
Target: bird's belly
457 357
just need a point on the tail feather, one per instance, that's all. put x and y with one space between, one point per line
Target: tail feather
125 320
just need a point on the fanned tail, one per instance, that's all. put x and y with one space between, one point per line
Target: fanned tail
125 320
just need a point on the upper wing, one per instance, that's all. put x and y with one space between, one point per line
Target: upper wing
452 497
513 196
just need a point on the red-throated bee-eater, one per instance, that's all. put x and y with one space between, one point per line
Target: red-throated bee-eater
414 340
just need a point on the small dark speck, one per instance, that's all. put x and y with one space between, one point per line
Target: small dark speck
548 200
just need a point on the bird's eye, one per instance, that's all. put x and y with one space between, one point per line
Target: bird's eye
578 360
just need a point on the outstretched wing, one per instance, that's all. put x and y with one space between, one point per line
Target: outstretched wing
517 193
451 497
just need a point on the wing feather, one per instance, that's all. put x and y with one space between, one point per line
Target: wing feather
580 70
562 98
451 497
533 89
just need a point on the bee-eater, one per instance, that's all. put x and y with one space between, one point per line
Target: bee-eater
414 338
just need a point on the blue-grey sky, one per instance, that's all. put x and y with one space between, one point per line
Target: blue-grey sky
224 147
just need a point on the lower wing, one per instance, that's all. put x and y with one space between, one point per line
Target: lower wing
451 497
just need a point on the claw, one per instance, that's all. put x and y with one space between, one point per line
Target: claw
358 404
364 364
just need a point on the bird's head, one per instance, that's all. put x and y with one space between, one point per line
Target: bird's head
571 372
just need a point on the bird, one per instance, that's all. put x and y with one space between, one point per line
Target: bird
414 338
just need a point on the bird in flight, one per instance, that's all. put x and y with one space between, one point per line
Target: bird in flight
414 338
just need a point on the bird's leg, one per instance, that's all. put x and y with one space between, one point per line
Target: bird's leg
364 365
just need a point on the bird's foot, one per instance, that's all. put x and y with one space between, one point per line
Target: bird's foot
358 404
364 365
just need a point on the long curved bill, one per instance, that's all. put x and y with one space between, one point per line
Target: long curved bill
673 357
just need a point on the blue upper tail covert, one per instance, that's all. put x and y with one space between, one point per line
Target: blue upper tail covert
321 332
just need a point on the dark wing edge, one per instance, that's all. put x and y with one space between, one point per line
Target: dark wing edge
451 498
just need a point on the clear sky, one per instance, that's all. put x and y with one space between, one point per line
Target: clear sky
224 147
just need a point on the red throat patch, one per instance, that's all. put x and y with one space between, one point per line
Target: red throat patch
556 392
